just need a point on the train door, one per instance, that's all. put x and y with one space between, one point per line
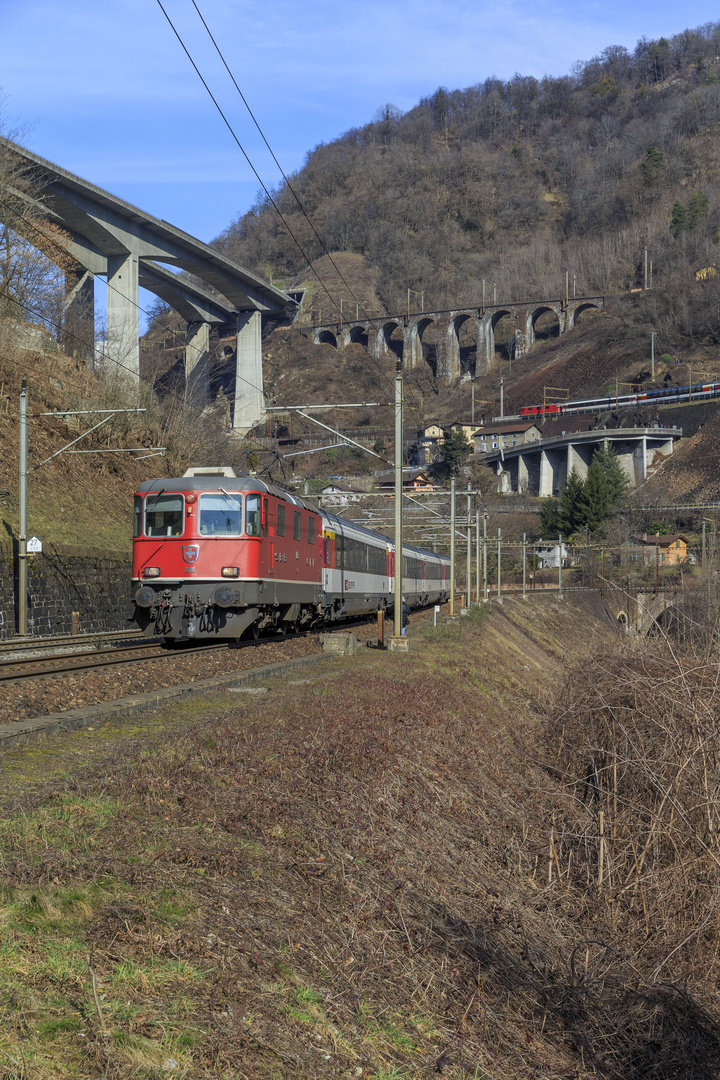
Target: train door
328 558
271 531
264 563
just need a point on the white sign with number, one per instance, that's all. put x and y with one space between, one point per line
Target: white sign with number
34 546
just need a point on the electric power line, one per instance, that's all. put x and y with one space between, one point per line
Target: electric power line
268 194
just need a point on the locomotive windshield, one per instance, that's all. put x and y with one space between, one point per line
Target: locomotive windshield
220 515
164 515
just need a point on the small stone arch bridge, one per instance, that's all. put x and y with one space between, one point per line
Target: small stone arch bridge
404 334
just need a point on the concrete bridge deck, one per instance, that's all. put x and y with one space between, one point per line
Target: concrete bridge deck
113 239
541 468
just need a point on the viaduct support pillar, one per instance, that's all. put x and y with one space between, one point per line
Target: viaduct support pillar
123 326
249 394
197 363
576 461
449 358
412 347
546 476
485 346
79 321
377 343
523 475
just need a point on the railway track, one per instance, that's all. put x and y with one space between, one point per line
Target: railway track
67 656
20 667
65 643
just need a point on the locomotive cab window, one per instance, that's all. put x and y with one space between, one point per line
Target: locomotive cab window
164 515
252 515
137 516
220 515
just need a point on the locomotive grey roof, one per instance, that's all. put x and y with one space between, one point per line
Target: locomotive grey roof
216 483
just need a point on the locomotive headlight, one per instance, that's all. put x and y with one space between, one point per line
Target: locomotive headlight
224 596
151 571
230 571
145 596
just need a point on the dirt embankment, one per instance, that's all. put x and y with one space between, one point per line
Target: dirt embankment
461 862
346 875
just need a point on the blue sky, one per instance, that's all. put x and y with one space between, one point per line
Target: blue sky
106 91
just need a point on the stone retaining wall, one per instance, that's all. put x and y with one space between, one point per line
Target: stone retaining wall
63 580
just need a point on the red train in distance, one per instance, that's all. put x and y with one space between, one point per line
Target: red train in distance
217 555
665 395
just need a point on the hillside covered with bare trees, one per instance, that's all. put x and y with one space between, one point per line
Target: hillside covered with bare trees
518 183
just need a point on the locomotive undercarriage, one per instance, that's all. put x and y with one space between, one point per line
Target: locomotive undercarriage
212 610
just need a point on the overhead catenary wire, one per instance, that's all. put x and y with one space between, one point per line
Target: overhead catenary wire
48 237
52 239
268 193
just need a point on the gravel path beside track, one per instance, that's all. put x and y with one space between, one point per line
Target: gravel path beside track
56 694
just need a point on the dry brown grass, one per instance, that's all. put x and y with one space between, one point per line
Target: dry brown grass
366 872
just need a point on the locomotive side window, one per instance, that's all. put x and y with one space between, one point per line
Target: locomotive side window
297 525
220 515
137 517
164 515
280 525
311 530
252 515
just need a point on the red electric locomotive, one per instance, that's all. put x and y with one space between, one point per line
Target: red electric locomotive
215 555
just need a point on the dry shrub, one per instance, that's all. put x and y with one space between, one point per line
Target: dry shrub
638 739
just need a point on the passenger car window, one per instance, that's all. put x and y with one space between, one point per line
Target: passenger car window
164 515
220 515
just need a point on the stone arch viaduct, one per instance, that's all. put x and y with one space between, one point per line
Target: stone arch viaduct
381 335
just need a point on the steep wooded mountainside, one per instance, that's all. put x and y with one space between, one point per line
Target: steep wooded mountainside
518 183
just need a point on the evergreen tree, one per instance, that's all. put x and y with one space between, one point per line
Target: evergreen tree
616 475
678 218
549 519
652 166
453 450
697 209
596 499
572 510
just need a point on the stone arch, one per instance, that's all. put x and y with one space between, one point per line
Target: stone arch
326 337
575 313
467 332
358 335
506 348
391 337
542 326
428 343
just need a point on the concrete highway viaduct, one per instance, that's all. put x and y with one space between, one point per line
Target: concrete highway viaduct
407 334
542 468
110 238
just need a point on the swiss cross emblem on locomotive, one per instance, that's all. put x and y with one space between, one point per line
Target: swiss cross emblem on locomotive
190 552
